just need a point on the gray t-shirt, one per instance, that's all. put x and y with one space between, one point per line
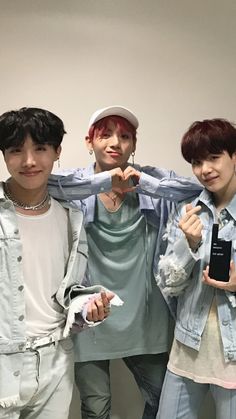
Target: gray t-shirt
121 248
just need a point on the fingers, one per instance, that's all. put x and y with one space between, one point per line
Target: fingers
96 311
191 219
99 308
210 281
131 173
106 297
188 207
206 277
191 225
190 215
124 181
117 173
116 177
190 210
222 285
206 271
232 267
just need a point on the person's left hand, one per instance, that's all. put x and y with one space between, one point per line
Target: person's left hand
99 308
227 286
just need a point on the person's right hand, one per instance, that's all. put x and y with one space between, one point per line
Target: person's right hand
99 308
191 226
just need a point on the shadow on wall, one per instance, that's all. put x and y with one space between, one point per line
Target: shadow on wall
126 401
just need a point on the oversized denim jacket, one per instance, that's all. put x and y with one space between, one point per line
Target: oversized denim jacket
180 277
12 302
157 189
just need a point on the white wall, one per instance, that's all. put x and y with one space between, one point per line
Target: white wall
171 61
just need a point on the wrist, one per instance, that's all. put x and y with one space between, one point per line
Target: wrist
196 246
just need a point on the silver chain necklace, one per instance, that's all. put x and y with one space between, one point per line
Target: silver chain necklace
18 204
113 197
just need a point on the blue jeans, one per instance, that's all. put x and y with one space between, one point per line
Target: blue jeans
46 383
182 398
93 381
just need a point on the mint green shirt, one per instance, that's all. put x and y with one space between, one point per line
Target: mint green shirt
121 250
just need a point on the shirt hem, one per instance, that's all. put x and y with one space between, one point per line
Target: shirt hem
120 355
202 380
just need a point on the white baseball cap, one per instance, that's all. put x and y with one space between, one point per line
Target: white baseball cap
114 111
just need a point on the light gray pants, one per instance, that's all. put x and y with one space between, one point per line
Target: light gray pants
46 383
182 398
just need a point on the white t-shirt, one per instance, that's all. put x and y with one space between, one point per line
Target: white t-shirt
206 365
45 240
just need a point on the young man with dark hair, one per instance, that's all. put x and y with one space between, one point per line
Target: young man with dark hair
43 257
203 355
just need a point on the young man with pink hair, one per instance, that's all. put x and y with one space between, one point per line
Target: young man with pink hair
124 236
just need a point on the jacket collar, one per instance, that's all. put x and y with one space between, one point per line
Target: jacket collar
206 198
88 171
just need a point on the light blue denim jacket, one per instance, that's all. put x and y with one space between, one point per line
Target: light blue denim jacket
157 189
180 277
12 301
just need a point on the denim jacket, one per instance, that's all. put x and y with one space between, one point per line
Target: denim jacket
157 189
12 301
180 277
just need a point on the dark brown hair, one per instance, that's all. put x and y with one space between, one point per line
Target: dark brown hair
43 126
210 136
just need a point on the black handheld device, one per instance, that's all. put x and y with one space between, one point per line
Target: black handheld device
220 257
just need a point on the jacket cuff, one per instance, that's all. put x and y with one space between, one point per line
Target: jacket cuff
101 182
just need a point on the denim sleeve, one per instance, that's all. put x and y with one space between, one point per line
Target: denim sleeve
162 183
75 186
176 265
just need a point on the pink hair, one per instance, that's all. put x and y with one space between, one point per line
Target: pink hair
97 129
